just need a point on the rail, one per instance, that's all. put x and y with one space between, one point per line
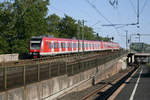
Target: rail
16 76
108 90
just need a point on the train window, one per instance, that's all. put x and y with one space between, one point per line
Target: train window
50 46
68 45
55 45
35 45
59 44
74 45
64 45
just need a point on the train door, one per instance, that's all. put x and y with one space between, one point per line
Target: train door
81 48
66 46
62 46
59 45
102 45
52 47
99 45
72 46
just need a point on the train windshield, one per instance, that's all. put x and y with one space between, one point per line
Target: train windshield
35 43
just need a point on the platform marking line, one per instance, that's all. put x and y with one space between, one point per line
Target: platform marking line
114 95
136 85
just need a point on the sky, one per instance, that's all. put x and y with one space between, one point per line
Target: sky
123 13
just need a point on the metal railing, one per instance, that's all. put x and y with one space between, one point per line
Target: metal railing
16 76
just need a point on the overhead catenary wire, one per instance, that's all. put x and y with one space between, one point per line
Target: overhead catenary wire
95 8
143 7
96 23
133 7
98 11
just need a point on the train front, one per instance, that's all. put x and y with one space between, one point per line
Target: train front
35 46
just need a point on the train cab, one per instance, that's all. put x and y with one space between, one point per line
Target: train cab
35 46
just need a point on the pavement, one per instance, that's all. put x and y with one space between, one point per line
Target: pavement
138 88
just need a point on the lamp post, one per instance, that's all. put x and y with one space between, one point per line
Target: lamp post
126 39
78 35
83 21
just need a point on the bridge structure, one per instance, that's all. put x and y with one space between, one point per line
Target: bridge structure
142 57
139 53
138 58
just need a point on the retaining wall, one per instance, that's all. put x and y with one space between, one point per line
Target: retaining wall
8 57
58 86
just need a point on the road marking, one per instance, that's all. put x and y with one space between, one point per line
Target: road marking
136 85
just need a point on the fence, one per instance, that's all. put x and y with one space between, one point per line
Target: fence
15 76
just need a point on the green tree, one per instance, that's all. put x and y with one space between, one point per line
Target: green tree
53 25
19 21
7 30
88 33
30 21
68 27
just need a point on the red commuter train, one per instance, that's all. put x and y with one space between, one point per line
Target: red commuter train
44 46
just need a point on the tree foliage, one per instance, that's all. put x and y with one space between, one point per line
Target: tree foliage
21 19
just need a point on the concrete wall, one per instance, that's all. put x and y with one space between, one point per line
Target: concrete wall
8 57
58 86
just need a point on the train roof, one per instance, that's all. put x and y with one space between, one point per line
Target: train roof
48 37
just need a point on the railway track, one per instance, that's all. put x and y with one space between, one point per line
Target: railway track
22 74
69 58
107 88
102 90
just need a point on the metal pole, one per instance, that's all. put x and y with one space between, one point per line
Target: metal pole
139 37
38 70
126 40
83 36
78 36
130 43
137 11
24 75
5 77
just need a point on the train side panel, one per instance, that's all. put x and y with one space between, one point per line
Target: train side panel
53 46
